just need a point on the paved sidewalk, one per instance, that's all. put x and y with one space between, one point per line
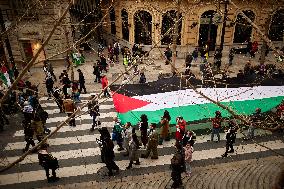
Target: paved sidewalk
264 173
151 65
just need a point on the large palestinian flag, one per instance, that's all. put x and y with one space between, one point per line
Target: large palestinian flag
152 99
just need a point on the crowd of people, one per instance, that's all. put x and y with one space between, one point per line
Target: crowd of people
151 135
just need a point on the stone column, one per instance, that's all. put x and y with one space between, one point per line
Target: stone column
131 27
156 28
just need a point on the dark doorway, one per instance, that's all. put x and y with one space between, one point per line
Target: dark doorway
143 27
168 23
27 46
207 30
125 29
112 21
243 29
276 30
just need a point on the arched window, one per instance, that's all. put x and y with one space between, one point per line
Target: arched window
276 30
207 30
125 29
168 23
112 21
143 27
243 29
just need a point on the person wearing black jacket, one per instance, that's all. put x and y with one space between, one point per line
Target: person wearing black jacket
47 161
49 85
143 129
97 72
82 81
107 152
94 112
29 133
58 99
230 137
177 166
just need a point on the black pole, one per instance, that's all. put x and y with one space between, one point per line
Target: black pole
224 27
6 39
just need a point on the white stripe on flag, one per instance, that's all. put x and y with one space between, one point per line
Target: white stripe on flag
189 97
65 172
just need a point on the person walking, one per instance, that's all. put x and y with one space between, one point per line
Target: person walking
70 108
168 54
94 113
188 150
195 54
188 61
81 81
177 166
49 85
231 56
116 47
58 99
127 132
104 82
97 72
103 63
143 128
117 134
47 161
256 117
48 68
216 123
142 78
29 134
180 128
133 150
189 137
165 124
107 152
230 138
152 145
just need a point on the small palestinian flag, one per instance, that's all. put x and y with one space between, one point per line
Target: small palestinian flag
152 99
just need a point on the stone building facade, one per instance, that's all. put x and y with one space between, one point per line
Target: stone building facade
29 22
200 22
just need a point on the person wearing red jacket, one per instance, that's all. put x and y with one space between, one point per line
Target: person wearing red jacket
217 124
180 128
280 111
104 82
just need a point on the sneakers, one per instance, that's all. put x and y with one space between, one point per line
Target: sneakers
52 179
231 151
143 156
224 155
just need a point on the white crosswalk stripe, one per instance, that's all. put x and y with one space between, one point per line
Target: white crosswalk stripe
69 138
93 168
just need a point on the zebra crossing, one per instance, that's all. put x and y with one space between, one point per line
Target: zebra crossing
79 155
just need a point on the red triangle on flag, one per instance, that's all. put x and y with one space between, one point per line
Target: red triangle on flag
124 103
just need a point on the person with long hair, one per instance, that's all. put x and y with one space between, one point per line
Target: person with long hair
143 128
133 150
165 125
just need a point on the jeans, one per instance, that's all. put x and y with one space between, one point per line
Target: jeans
251 132
188 167
72 121
106 93
217 132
